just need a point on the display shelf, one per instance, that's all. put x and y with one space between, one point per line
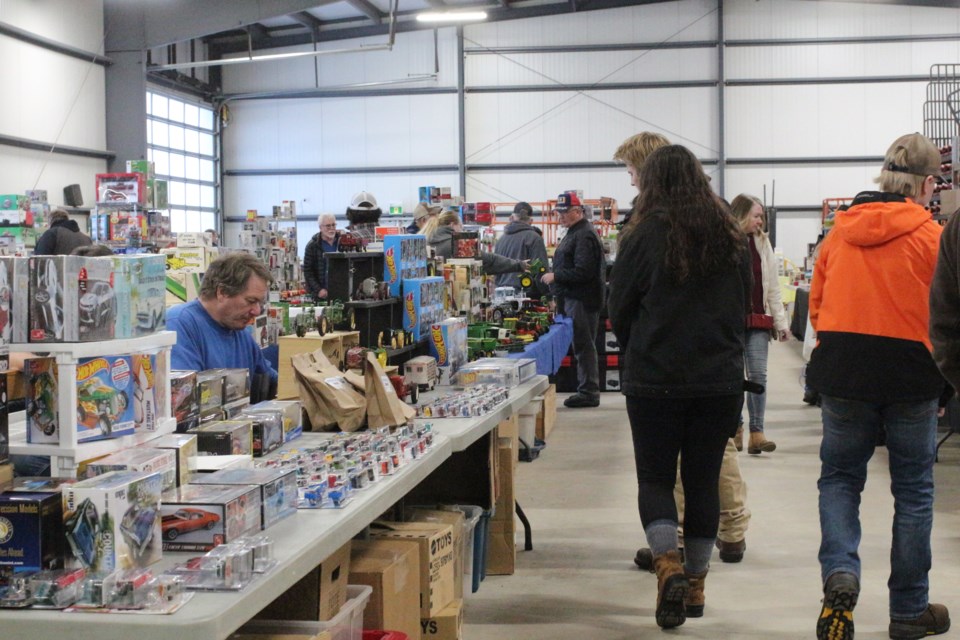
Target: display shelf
68 452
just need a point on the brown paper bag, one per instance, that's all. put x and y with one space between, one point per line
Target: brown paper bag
384 408
335 402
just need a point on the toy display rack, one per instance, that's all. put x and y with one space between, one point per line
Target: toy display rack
68 453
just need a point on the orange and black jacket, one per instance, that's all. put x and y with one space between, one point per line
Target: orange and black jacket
869 303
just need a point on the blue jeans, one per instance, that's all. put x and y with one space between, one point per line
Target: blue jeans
756 345
850 429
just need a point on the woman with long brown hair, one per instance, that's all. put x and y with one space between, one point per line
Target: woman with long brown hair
679 292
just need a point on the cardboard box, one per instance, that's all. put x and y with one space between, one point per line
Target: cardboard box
392 569
199 517
446 625
318 595
436 559
547 418
456 520
501 548
15 279
112 521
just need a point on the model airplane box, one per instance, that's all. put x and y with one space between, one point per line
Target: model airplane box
198 517
162 461
112 522
14 299
41 394
106 394
31 532
148 293
278 489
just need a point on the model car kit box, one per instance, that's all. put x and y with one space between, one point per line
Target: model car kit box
112 521
225 437
236 384
106 388
14 299
198 517
278 489
210 389
41 394
162 461
184 396
121 188
31 532
72 299
123 292
267 431
290 414
148 293
233 409
184 447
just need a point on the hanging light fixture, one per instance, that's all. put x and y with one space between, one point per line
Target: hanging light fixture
451 16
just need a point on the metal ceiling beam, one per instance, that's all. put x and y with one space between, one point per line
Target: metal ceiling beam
308 20
258 32
366 8
34 145
339 171
232 42
52 45
592 48
437 4
792 42
761 82
603 86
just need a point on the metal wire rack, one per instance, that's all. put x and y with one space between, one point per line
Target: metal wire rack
940 111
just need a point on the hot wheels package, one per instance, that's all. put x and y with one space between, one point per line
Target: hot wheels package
105 389
42 412
56 589
113 521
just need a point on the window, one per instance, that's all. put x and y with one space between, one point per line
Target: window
181 142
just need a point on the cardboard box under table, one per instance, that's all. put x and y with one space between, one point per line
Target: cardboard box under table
392 569
501 546
437 559
346 625
446 625
319 595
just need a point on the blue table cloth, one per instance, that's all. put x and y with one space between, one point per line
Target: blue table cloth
551 348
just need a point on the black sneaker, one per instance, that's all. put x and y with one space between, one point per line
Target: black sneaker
839 598
934 621
577 401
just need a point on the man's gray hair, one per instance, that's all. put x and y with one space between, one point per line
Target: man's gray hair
326 216
229 274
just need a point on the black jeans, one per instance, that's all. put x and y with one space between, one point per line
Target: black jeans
697 430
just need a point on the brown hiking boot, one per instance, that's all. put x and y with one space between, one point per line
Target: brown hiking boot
731 551
693 603
672 587
759 443
840 595
934 621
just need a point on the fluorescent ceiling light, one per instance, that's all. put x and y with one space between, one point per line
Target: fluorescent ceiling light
451 16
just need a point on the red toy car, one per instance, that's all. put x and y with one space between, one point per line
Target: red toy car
186 520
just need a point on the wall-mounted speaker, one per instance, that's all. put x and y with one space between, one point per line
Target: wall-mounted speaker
71 196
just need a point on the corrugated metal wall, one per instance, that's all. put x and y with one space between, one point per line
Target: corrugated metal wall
782 101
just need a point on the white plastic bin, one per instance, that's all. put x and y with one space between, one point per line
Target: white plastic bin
346 625
528 422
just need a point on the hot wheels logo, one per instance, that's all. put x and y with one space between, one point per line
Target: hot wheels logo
87 370
436 332
391 263
411 311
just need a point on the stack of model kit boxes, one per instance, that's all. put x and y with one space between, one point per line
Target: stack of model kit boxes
274 241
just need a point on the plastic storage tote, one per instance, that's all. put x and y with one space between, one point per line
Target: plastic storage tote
346 625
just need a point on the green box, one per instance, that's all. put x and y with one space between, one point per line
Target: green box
12 202
141 166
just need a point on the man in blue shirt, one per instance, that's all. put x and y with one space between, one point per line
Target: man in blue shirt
211 330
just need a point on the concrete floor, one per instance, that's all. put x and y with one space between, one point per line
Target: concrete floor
579 582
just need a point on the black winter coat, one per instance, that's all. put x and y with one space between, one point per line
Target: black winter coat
678 339
579 268
61 239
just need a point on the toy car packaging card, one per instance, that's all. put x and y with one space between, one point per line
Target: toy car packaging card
200 517
42 410
112 522
105 398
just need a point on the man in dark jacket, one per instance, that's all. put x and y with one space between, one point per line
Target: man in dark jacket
314 262
578 278
521 241
62 237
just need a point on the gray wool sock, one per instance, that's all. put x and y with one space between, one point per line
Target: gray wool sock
661 536
697 552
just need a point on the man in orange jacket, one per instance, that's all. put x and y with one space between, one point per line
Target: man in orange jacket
874 370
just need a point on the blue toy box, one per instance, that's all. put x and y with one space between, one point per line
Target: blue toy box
404 256
105 398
